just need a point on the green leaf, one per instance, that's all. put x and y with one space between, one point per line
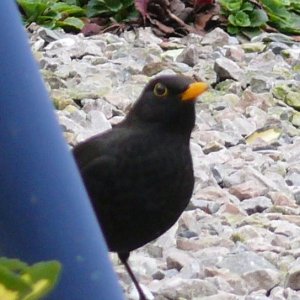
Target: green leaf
19 281
132 15
47 21
114 5
247 6
70 23
233 29
96 8
292 25
42 277
93 12
231 19
70 10
295 6
75 2
12 264
258 17
275 10
240 19
280 17
118 9
32 9
128 3
231 5
11 283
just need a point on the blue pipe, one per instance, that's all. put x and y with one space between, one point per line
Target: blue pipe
44 210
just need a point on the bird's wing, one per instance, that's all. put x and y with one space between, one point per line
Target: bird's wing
97 162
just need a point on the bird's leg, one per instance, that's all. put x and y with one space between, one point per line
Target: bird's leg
124 259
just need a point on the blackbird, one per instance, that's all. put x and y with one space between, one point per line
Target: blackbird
139 174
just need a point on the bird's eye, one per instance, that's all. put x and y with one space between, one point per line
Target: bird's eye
160 90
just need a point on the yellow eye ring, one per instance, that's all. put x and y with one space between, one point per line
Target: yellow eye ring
160 90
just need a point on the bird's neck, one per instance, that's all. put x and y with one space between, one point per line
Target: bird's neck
180 126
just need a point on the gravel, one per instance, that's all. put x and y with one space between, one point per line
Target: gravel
239 237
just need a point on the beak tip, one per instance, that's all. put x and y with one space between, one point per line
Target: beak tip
194 90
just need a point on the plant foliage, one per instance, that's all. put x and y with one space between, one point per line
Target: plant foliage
120 10
243 15
283 14
252 15
53 13
19 281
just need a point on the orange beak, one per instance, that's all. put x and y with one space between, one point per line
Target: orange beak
193 91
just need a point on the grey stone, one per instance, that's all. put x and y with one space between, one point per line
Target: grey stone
296 119
159 275
190 244
257 295
256 205
265 62
285 227
189 56
98 120
176 288
68 125
154 250
248 189
208 206
191 271
292 279
168 239
227 69
145 36
296 194
166 72
133 294
61 103
85 134
284 198
221 283
106 108
116 120
291 53
261 279
143 264
273 37
235 53
257 115
171 273
254 47
293 178
240 125
260 84
220 296
76 115
94 86
176 259
277 47
212 147
281 293
37 46
49 35
65 42
192 39
216 37
244 262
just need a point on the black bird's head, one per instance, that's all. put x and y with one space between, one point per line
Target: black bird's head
168 101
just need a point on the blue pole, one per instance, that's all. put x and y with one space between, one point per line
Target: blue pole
44 210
